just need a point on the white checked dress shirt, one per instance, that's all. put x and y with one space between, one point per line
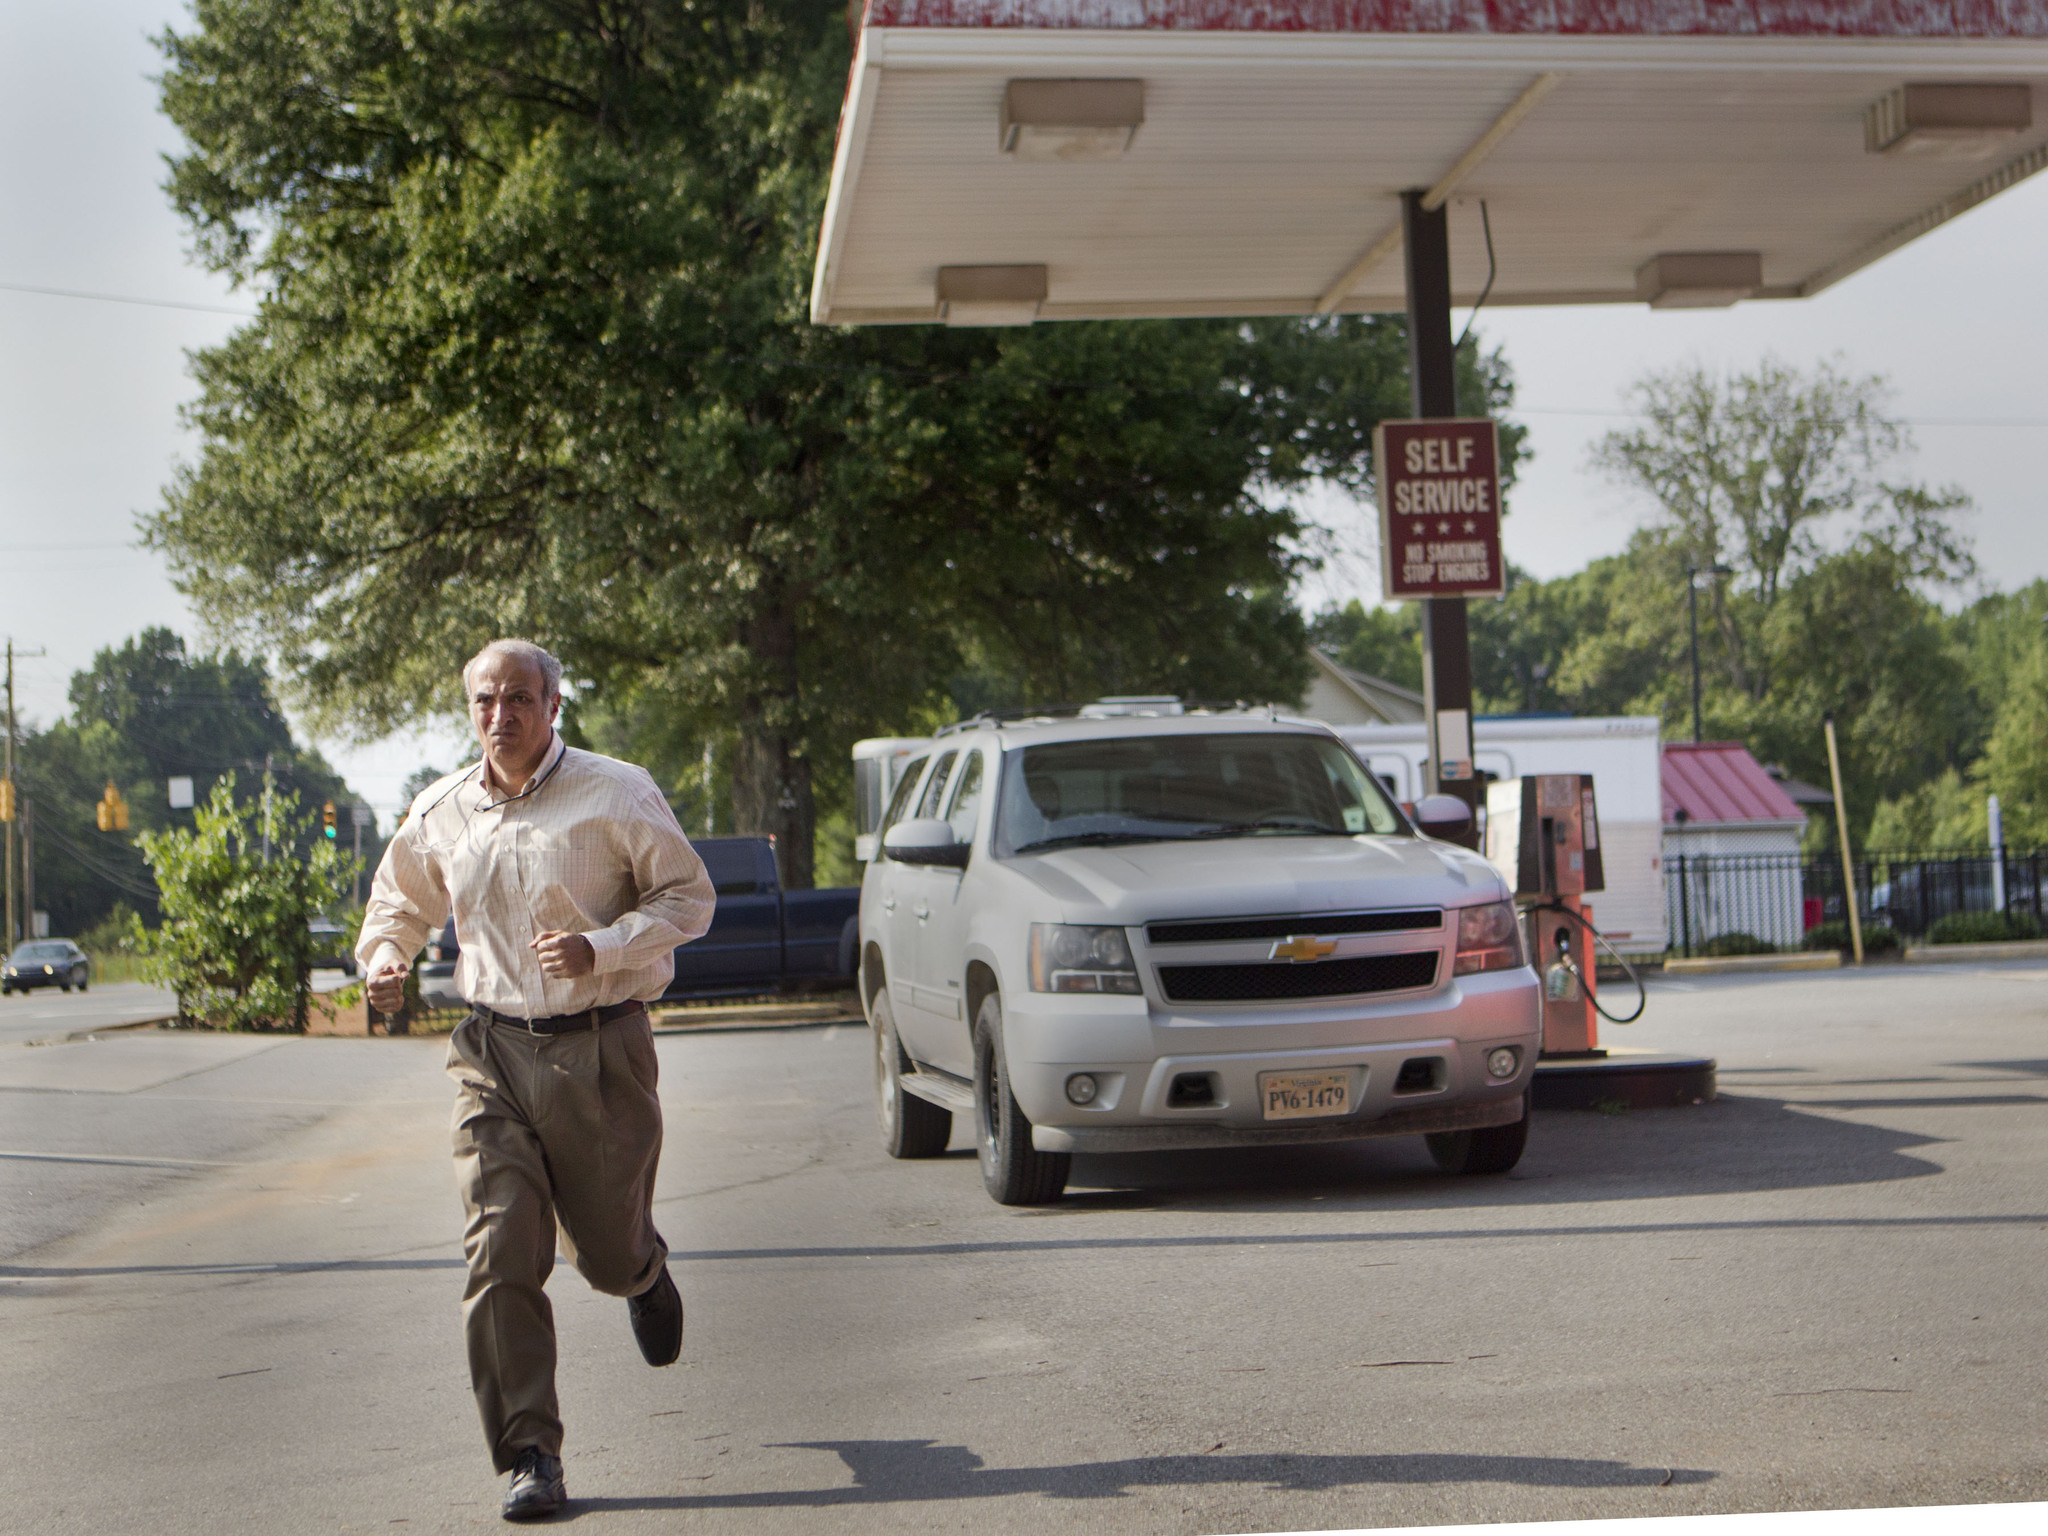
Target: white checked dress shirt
587 846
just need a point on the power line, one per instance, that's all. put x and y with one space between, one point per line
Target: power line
119 878
123 298
1904 421
805 366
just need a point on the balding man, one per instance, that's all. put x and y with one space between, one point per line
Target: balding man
571 885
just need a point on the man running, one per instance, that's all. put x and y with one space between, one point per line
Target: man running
571 885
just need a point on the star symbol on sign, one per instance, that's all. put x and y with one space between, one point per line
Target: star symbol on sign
1418 530
1470 525
1443 527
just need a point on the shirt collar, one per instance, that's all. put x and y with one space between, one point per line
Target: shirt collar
548 760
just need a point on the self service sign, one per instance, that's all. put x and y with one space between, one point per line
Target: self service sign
1439 507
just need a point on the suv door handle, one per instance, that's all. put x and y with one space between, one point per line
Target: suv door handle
923 911
888 903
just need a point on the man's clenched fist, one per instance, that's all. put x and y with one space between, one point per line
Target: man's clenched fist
387 986
565 955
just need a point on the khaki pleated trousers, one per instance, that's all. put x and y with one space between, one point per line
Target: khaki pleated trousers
556 1140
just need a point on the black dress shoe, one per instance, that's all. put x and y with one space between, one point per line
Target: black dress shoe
537 1492
658 1320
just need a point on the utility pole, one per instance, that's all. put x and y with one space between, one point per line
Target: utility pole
28 867
1692 608
12 930
13 924
266 807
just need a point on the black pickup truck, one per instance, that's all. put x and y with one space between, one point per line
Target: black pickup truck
762 938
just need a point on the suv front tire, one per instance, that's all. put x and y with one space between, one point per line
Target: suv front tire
1012 1169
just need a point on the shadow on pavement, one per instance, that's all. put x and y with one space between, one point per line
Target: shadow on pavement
226 1267
909 1471
1739 1144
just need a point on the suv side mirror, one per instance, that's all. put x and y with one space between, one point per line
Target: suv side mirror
925 840
1442 815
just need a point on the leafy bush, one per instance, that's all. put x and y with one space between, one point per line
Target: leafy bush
1737 943
115 943
235 945
120 932
1983 928
1877 938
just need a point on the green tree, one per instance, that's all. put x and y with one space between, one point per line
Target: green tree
2015 762
234 944
533 356
1383 641
1759 471
144 712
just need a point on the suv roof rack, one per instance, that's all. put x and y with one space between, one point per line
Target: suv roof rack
1110 707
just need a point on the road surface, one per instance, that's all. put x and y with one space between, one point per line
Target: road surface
48 1014
231 1278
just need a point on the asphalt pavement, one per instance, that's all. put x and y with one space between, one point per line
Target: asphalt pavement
231 1273
48 1014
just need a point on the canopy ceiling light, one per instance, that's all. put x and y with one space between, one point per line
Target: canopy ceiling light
1071 119
1949 122
1699 279
990 295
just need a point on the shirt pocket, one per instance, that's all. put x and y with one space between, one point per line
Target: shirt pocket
559 869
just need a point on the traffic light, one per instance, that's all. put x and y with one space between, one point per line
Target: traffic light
6 799
113 810
327 820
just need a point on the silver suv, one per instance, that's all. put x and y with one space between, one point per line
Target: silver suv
1144 933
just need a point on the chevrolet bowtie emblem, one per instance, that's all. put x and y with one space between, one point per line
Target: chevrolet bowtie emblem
1303 946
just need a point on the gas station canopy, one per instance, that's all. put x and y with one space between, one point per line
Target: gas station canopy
1001 161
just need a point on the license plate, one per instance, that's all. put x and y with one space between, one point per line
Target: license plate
1302 1095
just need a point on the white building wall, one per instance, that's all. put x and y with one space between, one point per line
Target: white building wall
1623 753
1751 882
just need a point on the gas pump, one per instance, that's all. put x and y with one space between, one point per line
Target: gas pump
1543 834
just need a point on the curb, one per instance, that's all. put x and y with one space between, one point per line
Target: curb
109 1029
747 1027
1819 960
2010 949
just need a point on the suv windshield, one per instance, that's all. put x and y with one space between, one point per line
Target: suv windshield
1165 788
45 951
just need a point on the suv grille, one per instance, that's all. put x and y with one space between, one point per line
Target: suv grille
1226 929
1277 982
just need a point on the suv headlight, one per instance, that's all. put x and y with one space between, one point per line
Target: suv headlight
1489 939
1066 957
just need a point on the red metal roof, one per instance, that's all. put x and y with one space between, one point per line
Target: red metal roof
1554 18
1718 782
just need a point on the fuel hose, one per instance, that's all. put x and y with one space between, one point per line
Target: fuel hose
1592 993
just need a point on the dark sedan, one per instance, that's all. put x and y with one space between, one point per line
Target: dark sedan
45 963
331 947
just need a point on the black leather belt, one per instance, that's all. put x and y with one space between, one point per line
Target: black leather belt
566 1023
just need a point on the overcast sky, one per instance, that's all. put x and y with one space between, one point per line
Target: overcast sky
89 389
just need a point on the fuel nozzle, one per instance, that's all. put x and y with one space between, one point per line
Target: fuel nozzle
1561 977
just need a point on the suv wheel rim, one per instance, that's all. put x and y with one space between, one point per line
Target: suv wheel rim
885 1079
986 1087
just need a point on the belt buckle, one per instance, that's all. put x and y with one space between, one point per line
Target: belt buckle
538 1034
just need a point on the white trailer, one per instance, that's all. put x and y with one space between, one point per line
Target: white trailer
878 765
1621 752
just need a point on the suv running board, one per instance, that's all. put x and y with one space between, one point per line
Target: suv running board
940 1088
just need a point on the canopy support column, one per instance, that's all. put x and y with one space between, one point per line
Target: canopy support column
1432 381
